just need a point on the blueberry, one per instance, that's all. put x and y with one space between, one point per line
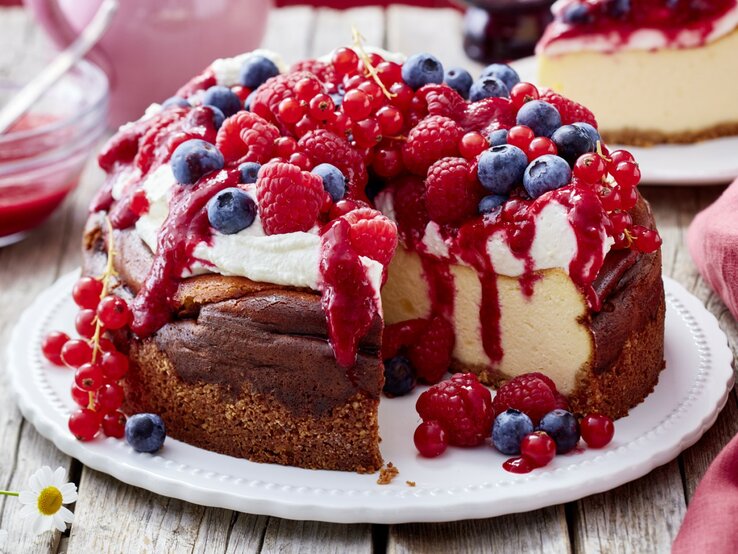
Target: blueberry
459 79
173 101
421 69
193 159
249 172
571 142
145 432
488 87
231 211
218 116
501 168
256 70
503 72
617 8
399 377
593 133
577 14
562 427
540 116
498 137
334 182
491 202
222 98
509 429
249 100
203 117
546 173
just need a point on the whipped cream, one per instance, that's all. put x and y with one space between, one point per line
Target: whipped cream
228 70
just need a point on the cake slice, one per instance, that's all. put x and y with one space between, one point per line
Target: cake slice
652 71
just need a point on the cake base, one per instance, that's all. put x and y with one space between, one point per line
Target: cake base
644 137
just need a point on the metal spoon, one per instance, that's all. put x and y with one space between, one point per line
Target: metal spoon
66 59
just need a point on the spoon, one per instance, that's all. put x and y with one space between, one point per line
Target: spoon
66 59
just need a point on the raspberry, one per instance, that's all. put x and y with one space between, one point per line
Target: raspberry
372 235
463 407
531 393
246 137
412 216
399 335
435 137
431 355
268 96
571 112
488 115
289 199
442 100
159 135
323 146
322 70
204 81
451 192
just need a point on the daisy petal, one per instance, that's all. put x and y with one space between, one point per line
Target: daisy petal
59 474
58 522
27 497
28 510
69 493
41 524
66 514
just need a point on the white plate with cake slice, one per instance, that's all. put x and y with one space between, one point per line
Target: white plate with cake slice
709 162
461 484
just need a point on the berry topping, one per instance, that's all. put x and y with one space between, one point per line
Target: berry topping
522 93
542 117
231 211
545 174
498 137
256 70
597 430
462 406
323 146
433 138
509 429
571 142
223 99
248 137
503 72
538 448
145 432
372 235
431 354
501 168
421 69
345 61
459 79
113 312
399 377
472 144
334 182
114 365
531 393
570 111
249 172
488 87
491 203
52 345
451 192
590 168
577 13
562 427
193 159
540 146
175 102
289 198
76 352
114 424
593 133
84 424
86 292
89 377
430 439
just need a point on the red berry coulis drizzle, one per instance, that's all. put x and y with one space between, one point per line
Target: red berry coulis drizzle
518 465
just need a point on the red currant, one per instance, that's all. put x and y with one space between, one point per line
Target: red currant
52 345
345 61
285 146
305 89
430 439
644 239
114 425
367 132
353 82
387 162
610 198
590 168
84 424
87 291
618 156
357 105
520 136
106 346
139 205
89 377
85 323
304 126
321 107
374 92
241 91
300 160
628 197
620 221
76 352
114 365
113 312
627 174
109 397
402 95
538 448
390 120
540 146
389 73
290 110
597 430
522 93
472 144
341 125
80 396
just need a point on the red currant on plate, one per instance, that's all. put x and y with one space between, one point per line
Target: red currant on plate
109 397
80 396
114 365
597 430
627 174
644 239
520 136
472 144
87 291
114 425
84 424
85 323
357 105
89 377
76 352
590 168
52 345
113 312
618 156
540 146
538 448
430 439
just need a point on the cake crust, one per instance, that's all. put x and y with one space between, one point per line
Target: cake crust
650 137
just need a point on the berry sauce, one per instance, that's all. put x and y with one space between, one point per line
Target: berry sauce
518 465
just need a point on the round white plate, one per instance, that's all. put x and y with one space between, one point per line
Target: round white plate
710 162
461 484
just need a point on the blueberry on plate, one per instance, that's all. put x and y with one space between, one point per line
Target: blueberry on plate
571 142
498 137
249 172
175 101
193 159
399 376
540 116
500 168
488 87
503 72
509 429
490 203
222 98
422 69
145 432
256 70
231 211
459 79
546 173
593 133
334 182
577 13
562 427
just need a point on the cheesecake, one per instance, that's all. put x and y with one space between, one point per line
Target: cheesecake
627 62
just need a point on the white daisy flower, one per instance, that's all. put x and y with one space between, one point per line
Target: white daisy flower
42 503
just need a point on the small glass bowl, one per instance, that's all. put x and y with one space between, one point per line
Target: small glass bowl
43 154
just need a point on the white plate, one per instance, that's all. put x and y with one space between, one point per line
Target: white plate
462 484
710 162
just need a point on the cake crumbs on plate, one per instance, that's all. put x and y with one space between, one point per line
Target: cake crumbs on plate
387 474
410 483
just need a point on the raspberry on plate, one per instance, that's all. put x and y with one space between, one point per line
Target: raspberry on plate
431 355
433 138
531 393
246 137
289 198
463 407
451 192
442 100
570 111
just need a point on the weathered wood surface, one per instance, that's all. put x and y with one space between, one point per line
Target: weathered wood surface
642 516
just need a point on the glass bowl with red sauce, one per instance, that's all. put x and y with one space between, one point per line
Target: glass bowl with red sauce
43 154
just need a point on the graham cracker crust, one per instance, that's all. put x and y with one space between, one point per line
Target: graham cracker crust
649 137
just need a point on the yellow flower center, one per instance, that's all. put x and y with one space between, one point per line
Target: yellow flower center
49 501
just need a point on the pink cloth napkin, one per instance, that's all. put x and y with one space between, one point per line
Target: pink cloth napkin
709 526
712 240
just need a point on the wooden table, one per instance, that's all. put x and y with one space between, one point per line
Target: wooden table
643 516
